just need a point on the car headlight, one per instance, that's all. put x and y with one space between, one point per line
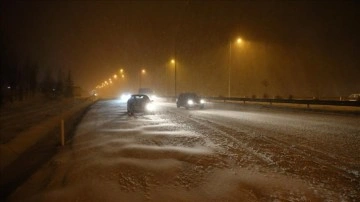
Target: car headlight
190 102
125 97
150 107
202 101
153 97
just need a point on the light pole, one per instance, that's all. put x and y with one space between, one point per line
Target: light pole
173 61
238 41
143 71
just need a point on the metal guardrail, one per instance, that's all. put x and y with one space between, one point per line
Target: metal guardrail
290 101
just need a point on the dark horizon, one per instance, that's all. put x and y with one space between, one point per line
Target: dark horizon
299 48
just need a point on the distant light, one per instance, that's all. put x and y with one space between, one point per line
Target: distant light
202 101
122 76
115 76
153 97
121 70
190 102
53 89
239 40
173 61
143 71
125 97
9 87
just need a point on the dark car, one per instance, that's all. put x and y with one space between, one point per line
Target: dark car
190 100
139 103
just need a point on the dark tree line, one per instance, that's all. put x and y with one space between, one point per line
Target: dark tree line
19 82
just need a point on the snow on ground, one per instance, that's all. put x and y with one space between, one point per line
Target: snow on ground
19 116
202 155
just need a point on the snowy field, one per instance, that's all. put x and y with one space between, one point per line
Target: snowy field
20 116
203 155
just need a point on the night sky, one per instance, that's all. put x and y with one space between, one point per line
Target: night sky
302 48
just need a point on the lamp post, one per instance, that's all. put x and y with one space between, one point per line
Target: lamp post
143 71
238 41
173 61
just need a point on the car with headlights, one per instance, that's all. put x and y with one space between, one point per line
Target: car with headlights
190 100
139 103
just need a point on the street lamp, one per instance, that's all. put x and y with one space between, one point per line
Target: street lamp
238 41
174 63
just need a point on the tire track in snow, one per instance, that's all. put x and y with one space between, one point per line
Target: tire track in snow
215 130
317 165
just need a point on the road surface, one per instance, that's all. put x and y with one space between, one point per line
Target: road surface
251 154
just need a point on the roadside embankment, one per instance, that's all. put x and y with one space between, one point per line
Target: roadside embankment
20 156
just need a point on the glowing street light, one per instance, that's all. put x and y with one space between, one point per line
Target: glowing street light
115 76
121 71
238 42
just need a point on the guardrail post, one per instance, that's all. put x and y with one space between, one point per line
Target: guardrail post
62 135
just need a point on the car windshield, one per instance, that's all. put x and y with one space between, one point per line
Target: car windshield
140 97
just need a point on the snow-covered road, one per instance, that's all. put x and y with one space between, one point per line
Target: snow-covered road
203 155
